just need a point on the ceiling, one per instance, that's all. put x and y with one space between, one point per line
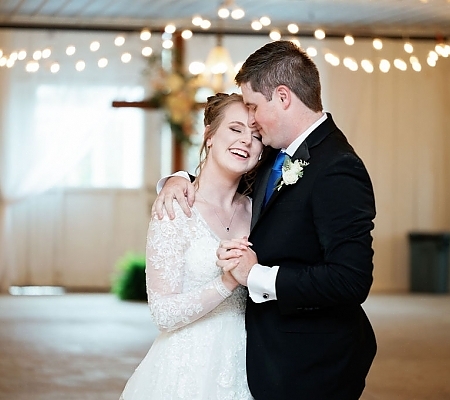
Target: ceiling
396 18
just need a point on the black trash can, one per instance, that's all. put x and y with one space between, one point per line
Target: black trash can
429 257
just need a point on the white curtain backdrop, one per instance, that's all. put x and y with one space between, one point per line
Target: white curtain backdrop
397 121
49 123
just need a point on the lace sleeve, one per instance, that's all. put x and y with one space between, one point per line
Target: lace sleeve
170 307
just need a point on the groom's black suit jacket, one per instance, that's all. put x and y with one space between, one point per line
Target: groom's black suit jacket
314 342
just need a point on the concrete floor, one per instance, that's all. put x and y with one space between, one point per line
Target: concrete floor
85 346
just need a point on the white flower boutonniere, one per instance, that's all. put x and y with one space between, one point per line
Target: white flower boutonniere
291 172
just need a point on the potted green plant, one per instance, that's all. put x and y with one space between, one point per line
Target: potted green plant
129 279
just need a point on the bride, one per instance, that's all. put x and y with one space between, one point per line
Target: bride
200 352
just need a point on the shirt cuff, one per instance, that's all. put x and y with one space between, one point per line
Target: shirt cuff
261 283
163 181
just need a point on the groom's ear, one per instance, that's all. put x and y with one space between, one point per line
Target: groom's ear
283 95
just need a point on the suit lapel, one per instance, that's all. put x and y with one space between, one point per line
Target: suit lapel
302 153
258 198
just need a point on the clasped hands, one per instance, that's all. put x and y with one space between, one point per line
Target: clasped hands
235 257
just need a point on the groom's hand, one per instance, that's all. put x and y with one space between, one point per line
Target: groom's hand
236 257
175 188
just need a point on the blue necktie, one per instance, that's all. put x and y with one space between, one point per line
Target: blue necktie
275 174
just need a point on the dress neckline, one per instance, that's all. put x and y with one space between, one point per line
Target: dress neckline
201 218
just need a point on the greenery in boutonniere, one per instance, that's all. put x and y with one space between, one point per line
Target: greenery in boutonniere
291 171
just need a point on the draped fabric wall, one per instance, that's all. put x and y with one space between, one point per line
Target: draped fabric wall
41 145
4 84
398 123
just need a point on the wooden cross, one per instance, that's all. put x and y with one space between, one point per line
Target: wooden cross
177 62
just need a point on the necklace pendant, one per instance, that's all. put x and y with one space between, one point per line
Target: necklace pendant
228 229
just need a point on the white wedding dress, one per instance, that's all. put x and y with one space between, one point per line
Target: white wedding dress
200 352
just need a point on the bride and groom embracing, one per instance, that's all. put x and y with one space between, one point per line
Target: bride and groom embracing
299 279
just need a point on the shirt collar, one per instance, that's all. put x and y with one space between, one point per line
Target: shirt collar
292 148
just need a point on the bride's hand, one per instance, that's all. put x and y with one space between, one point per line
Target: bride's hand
229 281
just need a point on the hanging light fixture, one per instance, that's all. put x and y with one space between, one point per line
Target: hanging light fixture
219 69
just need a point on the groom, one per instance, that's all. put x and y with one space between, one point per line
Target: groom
308 263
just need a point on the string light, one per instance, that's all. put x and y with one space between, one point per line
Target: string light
265 21
119 41
441 49
94 46
196 67
349 40
206 24
408 47
197 20
46 53
21 55
350 63
332 59
170 28
311 51
431 61
292 28
319 34
237 13
145 34
275 34
400 64
367 66
377 44
186 34
102 63
37 55
125 57
70 50
147 51
32 66
417 67
54 68
385 65
223 12
256 25
167 44
80 65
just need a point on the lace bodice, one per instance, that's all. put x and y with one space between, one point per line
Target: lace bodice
183 281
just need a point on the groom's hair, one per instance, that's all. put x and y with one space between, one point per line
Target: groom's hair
282 63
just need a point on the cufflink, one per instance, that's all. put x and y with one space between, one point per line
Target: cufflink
265 296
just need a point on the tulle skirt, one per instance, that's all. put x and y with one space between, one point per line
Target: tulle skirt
201 361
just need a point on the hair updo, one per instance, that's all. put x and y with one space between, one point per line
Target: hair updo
214 114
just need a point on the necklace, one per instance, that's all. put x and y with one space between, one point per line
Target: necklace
227 227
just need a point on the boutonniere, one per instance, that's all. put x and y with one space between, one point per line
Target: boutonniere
291 172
